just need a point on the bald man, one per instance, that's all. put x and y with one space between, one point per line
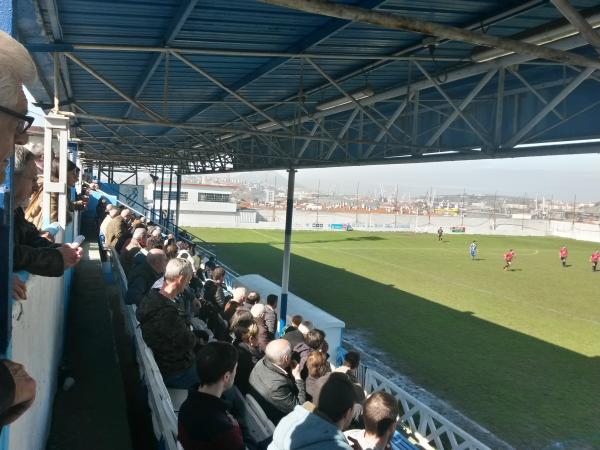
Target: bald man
274 388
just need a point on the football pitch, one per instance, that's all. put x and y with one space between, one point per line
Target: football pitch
518 351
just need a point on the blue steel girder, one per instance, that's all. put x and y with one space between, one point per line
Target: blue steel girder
331 27
178 20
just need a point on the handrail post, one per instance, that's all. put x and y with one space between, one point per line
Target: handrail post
285 277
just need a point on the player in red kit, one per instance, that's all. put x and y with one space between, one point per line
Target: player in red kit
594 259
563 253
508 258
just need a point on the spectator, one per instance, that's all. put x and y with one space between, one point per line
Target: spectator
32 252
209 266
17 388
165 331
143 276
321 429
253 298
171 251
151 243
246 342
204 421
137 243
317 367
296 321
349 367
33 212
313 341
258 312
380 415
239 296
271 315
274 389
297 336
213 289
117 230
113 212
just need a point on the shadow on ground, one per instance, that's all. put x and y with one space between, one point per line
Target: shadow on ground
528 392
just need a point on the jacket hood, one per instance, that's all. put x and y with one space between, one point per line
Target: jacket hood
303 430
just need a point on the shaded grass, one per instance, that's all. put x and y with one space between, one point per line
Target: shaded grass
515 351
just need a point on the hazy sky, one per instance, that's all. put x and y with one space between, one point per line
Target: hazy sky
559 176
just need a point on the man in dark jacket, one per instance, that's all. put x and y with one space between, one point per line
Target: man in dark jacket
213 289
204 420
142 277
33 253
274 389
166 332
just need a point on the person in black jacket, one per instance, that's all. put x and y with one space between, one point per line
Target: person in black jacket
246 342
142 276
33 253
272 386
166 332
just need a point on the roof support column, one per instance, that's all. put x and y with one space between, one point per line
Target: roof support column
177 204
169 197
287 246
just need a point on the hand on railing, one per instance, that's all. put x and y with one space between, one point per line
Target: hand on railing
19 289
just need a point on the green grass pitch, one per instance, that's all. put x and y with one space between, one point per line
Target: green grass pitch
518 351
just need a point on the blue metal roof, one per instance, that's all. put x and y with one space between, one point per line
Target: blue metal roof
255 71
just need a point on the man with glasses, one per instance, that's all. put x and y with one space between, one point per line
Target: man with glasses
17 388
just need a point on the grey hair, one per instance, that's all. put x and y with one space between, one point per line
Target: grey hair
113 212
139 233
278 351
23 158
177 267
16 68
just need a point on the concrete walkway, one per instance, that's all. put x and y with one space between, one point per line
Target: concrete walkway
91 415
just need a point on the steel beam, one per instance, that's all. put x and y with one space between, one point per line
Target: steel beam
387 126
349 97
341 134
531 89
550 106
451 103
464 104
398 22
230 91
578 21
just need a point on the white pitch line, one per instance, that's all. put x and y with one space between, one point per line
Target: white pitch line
430 275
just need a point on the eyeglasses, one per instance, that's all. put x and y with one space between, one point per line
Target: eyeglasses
25 122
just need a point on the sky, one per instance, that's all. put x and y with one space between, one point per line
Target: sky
558 177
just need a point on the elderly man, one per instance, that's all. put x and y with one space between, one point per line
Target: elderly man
275 390
166 332
137 243
117 230
113 212
143 276
32 252
17 388
239 296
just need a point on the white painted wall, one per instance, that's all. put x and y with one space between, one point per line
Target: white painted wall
37 343
332 326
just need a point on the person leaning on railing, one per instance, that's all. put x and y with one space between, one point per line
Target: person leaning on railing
33 253
17 388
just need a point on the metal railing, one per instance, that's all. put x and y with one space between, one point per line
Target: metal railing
430 429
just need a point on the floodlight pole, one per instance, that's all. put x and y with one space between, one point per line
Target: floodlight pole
285 277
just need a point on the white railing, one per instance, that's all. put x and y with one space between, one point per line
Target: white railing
430 429
164 419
